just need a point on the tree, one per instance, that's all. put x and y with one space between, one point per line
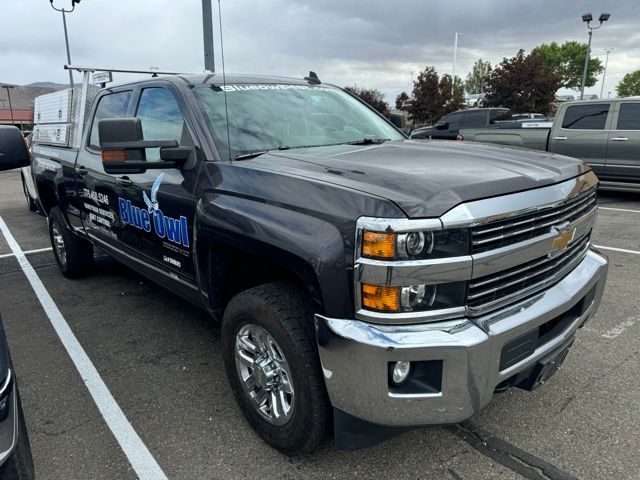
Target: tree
629 86
373 97
478 77
400 99
524 83
568 61
433 96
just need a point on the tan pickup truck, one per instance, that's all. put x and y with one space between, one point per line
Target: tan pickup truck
603 133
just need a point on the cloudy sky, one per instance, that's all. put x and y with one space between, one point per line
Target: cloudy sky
372 43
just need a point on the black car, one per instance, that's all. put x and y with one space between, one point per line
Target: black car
449 126
15 453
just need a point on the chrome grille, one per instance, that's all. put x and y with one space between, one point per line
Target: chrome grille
495 290
515 229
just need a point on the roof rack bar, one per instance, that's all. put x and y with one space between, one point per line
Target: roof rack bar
120 70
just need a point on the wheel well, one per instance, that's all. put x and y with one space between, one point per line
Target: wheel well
233 271
47 196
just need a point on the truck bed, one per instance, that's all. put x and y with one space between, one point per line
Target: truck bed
536 138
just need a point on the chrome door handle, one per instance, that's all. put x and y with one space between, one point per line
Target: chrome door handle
619 139
559 138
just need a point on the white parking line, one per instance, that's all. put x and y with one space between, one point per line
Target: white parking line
136 451
618 209
27 252
614 249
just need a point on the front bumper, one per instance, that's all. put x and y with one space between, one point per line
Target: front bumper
355 355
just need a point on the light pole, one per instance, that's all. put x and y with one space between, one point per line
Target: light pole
207 34
66 36
455 59
604 74
588 18
9 88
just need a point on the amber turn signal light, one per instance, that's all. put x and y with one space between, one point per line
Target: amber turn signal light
379 245
114 156
381 298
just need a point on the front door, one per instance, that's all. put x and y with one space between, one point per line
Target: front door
623 151
157 207
97 191
583 134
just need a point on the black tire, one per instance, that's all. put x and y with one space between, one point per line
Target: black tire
284 311
73 255
31 203
19 466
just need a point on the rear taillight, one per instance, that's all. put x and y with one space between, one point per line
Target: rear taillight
459 138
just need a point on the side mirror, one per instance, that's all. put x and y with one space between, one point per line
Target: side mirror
123 148
13 149
397 120
442 126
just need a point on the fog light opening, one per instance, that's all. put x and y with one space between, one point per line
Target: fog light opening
401 372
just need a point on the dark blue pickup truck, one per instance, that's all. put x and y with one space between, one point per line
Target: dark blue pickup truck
356 273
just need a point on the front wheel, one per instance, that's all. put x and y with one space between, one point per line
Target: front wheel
73 255
271 361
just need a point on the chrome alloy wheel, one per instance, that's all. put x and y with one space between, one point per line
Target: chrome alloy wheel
58 244
265 374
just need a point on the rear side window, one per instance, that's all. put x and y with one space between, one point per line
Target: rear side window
476 119
161 119
114 105
586 117
629 116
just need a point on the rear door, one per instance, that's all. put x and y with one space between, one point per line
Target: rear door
474 119
584 133
623 151
97 199
158 206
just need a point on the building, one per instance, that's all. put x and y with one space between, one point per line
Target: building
23 119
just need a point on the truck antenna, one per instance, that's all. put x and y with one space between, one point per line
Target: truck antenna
224 82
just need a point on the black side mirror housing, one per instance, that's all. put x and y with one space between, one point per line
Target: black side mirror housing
13 149
397 120
123 148
442 126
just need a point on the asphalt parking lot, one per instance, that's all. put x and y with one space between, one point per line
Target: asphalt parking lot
160 359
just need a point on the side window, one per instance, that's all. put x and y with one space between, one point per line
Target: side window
586 117
629 116
113 105
161 118
475 119
453 120
499 116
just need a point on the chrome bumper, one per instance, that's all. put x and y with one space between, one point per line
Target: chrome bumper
355 355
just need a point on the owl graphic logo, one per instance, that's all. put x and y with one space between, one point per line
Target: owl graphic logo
153 204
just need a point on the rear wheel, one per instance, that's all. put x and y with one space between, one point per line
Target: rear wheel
272 364
73 255
31 204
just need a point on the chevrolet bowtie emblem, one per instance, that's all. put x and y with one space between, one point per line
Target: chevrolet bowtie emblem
561 242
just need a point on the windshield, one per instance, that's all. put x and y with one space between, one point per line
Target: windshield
271 117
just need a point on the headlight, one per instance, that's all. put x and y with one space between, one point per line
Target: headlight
395 258
415 245
415 298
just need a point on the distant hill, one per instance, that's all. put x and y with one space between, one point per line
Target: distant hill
57 86
22 96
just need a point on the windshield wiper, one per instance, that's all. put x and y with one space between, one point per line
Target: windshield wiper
362 141
368 141
246 156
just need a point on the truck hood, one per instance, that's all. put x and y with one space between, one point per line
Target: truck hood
425 178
